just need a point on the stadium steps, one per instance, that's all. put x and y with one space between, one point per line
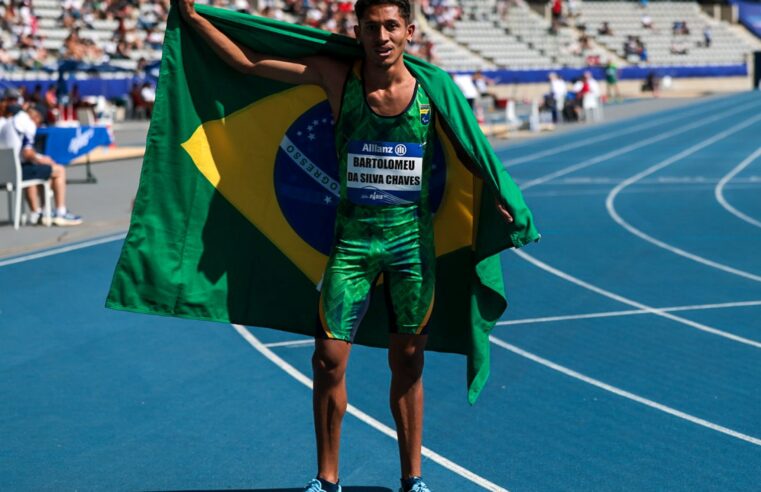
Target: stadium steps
625 19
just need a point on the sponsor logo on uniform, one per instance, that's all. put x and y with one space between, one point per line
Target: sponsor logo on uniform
400 149
425 113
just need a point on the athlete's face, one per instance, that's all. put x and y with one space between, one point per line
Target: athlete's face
384 34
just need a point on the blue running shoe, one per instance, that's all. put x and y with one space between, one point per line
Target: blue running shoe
417 485
316 486
67 219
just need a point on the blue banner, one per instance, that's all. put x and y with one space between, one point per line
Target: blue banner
65 144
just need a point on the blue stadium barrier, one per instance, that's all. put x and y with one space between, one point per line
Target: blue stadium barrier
625 73
117 86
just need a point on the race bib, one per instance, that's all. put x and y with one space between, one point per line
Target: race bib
384 173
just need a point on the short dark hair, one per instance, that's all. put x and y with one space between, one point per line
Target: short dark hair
404 7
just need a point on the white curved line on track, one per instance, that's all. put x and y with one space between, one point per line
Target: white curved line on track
615 314
586 379
602 138
625 150
630 302
611 199
624 393
719 191
367 419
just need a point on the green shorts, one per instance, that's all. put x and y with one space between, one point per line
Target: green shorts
370 240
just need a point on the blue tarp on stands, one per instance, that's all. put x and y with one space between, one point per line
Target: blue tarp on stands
750 16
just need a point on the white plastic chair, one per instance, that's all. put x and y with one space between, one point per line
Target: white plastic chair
592 107
11 181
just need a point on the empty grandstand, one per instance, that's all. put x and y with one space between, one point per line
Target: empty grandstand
674 33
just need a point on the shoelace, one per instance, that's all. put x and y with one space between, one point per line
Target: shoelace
314 486
420 487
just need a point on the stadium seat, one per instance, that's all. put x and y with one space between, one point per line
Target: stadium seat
11 182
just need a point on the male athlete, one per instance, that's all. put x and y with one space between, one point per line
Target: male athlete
380 112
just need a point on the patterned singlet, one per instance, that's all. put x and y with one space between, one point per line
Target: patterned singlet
383 223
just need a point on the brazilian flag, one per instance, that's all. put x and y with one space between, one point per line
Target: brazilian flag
233 220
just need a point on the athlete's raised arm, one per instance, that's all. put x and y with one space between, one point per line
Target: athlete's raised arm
316 70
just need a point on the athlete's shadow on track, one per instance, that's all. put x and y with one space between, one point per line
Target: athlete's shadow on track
346 489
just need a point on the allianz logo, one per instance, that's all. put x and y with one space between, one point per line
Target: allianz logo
80 140
399 149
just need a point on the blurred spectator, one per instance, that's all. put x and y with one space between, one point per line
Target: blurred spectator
604 29
679 27
634 49
556 9
644 57
422 46
557 96
36 96
679 46
148 97
651 83
646 21
588 94
707 36
611 80
6 61
482 83
573 8
465 82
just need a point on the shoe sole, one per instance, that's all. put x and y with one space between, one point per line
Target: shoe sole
66 223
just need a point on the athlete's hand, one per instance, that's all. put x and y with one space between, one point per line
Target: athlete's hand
505 214
187 9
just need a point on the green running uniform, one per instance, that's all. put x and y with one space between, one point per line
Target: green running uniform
383 224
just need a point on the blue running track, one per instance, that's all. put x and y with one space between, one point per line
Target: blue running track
630 358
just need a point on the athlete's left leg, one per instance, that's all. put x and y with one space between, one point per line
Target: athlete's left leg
409 281
406 359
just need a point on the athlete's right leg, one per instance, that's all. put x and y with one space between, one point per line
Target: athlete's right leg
349 277
329 401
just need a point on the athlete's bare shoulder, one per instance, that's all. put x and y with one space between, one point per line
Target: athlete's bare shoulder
332 72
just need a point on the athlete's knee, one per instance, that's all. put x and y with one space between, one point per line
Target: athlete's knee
407 360
329 364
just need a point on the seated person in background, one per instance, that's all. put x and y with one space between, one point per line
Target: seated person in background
679 46
38 166
604 29
651 83
148 96
482 83
647 21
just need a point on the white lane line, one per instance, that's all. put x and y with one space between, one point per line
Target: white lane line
661 180
610 204
290 343
629 148
62 249
367 419
630 312
630 302
601 138
719 191
624 393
